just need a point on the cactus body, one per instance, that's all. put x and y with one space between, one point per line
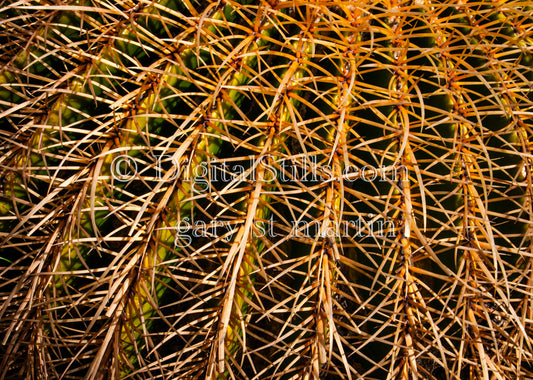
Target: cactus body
266 189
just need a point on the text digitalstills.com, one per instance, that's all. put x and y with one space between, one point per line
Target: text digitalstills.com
125 168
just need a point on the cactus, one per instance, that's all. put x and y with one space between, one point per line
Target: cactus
266 189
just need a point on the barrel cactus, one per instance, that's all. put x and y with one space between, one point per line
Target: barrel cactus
266 189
